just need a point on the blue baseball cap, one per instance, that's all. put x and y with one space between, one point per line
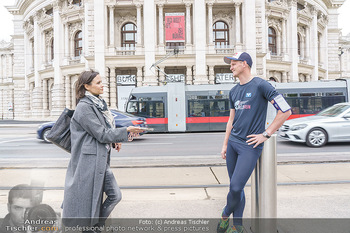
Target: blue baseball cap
240 57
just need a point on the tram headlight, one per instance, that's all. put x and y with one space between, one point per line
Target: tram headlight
298 127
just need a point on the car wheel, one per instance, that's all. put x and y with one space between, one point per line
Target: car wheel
45 133
316 137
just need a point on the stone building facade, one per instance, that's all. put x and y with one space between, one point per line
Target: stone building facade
55 40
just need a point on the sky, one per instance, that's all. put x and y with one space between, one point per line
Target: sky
6 25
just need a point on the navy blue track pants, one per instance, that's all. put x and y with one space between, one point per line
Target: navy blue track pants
240 160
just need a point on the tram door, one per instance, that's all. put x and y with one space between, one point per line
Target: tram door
176 107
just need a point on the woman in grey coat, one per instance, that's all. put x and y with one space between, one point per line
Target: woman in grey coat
93 134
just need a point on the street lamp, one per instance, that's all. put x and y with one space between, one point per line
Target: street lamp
340 52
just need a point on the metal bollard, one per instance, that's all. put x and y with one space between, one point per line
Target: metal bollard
264 189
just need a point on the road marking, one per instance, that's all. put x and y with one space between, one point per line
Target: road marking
147 143
17 140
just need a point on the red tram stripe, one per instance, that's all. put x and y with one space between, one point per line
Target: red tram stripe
156 121
196 120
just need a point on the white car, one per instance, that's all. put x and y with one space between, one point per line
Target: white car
330 125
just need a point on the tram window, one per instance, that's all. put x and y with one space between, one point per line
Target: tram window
307 94
154 109
307 105
294 104
291 95
132 107
219 108
198 108
334 93
331 100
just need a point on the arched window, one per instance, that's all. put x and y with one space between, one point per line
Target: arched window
221 34
52 50
272 41
78 43
129 35
299 45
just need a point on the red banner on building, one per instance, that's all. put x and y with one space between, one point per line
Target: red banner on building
175 27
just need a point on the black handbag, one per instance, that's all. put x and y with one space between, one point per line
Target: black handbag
60 132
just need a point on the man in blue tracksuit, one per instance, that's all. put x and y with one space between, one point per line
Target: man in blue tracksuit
245 133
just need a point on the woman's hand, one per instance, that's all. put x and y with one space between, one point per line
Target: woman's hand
133 129
117 146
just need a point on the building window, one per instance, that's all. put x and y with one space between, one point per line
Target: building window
299 45
300 7
78 43
50 12
77 2
52 50
129 35
221 34
272 41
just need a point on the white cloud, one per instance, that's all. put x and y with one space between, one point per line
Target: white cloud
6 20
344 18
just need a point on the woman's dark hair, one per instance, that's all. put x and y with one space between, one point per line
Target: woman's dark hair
85 77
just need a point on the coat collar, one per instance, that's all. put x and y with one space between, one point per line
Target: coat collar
98 113
86 100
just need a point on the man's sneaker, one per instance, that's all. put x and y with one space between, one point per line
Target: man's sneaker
222 225
235 229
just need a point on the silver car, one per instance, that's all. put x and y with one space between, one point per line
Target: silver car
330 125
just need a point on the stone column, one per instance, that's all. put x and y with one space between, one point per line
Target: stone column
238 22
210 27
67 87
45 96
249 30
189 79
161 75
11 66
111 26
139 77
293 39
325 46
58 87
308 78
37 92
200 35
139 29
5 76
161 26
188 26
87 18
99 36
27 62
307 44
211 75
113 88
284 39
314 42
284 77
66 44
149 41
43 50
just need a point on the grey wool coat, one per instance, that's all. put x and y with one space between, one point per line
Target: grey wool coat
86 170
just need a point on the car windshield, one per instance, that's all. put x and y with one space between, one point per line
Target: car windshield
333 111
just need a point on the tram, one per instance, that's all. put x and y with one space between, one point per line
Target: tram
177 107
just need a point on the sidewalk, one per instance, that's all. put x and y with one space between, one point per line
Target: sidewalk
304 190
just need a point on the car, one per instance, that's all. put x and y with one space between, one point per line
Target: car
121 119
330 125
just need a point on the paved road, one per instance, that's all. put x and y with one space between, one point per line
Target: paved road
21 142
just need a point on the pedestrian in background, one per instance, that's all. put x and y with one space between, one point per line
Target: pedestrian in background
245 133
88 176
